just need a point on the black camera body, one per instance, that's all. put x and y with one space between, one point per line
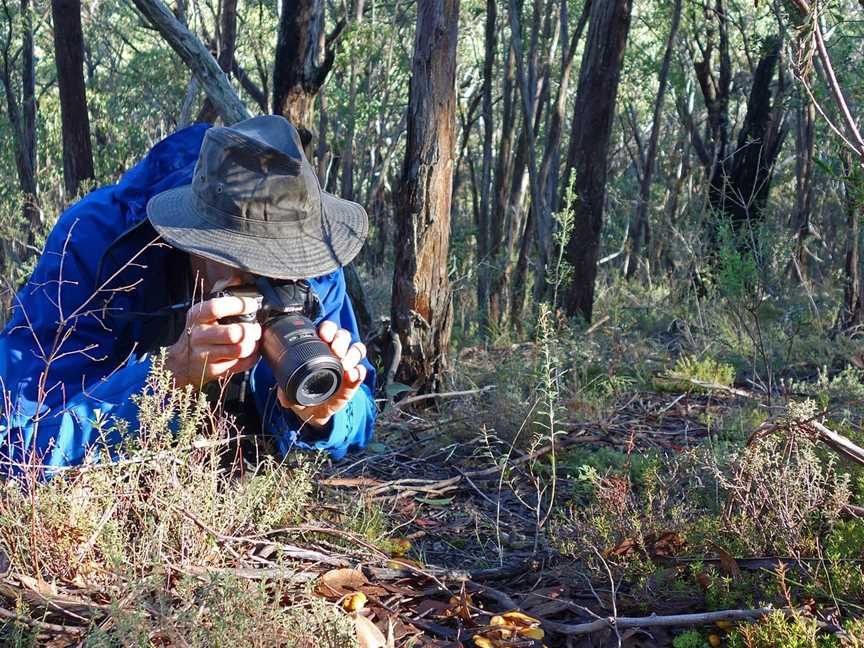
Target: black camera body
303 365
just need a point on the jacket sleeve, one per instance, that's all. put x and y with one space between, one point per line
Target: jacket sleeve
59 372
350 427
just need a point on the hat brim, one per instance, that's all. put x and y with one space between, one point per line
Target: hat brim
301 255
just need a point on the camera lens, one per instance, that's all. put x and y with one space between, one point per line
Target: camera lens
320 385
303 365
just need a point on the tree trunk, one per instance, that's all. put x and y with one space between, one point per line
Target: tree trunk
638 233
304 58
852 309
500 281
69 58
421 306
21 110
609 24
749 170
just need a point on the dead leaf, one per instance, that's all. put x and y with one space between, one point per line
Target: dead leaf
666 545
623 548
368 634
728 564
336 583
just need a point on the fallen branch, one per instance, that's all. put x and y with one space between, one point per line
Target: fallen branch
839 443
702 618
453 394
704 384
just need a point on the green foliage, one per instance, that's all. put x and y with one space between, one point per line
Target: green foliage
845 386
689 639
776 629
689 371
152 526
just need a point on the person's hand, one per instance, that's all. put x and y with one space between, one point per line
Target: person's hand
208 350
339 341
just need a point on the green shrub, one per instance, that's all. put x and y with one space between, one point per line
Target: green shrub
776 629
689 371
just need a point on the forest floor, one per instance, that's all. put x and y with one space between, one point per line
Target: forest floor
571 491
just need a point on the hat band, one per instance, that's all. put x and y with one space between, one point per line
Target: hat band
253 227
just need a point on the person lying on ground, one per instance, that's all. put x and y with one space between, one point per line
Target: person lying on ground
129 272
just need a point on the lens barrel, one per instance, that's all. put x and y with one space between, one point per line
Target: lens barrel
304 367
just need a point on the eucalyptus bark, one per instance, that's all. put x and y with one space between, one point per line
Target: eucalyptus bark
69 58
609 25
348 151
804 153
739 180
421 308
504 163
852 308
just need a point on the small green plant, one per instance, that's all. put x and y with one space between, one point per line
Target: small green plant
693 374
689 639
777 629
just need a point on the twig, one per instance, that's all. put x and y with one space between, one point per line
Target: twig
42 625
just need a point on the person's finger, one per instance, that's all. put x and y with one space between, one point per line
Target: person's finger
356 352
225 333
212 310
355 376
327 331
219 352
243 364
341 342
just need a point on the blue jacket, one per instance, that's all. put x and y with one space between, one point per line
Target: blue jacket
72 339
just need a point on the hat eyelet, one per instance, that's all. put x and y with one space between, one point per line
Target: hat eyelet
219 188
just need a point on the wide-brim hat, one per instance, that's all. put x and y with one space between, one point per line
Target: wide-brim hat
255 203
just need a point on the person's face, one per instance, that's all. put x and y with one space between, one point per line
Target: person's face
211 275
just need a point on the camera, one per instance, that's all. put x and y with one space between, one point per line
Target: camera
304 367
